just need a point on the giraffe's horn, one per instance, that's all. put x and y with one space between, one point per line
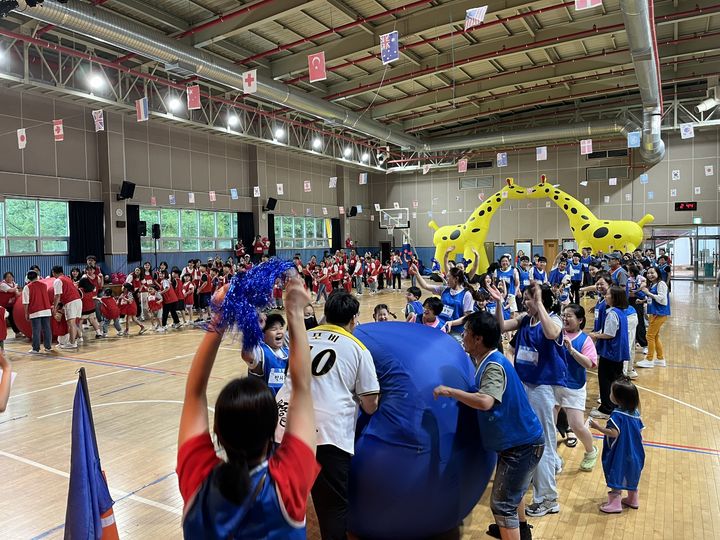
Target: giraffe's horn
433 225
510 181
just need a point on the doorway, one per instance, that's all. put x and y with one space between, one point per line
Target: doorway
525 246
384 252
694 251
550 250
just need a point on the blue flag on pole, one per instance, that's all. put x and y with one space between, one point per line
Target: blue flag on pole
389 51
88 495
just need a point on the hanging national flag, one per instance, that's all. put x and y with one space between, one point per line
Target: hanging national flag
141 109
541 153
389 51
585 147
58 130
644 178
341 210
307 187
212 196
687 131
316 67
426 169
99 120
475 17
171 199
462 165
332 184
633 139
415 204
153 201
324 211
22 138
193 97
191 197
280 189
250 81
89 505
586 4
233 194
501 159
362 178
256 191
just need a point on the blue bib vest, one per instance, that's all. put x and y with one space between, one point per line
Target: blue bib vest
415 307
585 263
575 271
616 349
508 276
655 308
537 275
556 276
274 367
576 374
524 279
492 306
510 423
452 308
211 516
538 360
600 309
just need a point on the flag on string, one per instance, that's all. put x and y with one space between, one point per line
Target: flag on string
332 184
362 179
541 153
256 191
141 109
586 147
153 201
612 181
377 207
280 189
250 81
324 211
426 169
687 131
501 159
171 199
233 194
651 195
21 138
193 97
475 17
99 119
389 50
58 130
709 170
341 210
644 178
462 165
89 504
316 67
191 197
307 186
212 196
586 4
633 139
308 211
415 204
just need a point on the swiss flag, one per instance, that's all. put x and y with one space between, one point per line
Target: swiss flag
58 130
193 97
316 67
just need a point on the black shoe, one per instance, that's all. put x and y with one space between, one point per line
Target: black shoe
525 533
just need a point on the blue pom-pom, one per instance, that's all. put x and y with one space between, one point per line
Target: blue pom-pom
248 293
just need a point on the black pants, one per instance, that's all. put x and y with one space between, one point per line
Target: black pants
397 277
575 292
11 318
330 491
640 331
608 373
170 309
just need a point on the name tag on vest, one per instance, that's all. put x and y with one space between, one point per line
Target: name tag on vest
527 355
277 377
448 311
526 282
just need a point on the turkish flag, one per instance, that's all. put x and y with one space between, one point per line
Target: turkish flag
193 97
58 130
316 67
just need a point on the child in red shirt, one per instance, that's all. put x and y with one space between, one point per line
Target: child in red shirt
155 305
277 294
3 329
129 309
110 312
188 294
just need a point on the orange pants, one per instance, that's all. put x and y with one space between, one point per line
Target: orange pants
653 337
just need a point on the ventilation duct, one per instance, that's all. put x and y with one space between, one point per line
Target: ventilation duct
640 29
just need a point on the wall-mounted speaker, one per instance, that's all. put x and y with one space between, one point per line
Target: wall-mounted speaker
127 190
156 231
142 228
270 204
353 211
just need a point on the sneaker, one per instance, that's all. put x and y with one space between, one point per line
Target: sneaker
176 325
632 374
660 362
559 465
644 350
33 351
99 336
69 346
548 506
49 350
161 329
525 533
120 333
589 460
142 331
599 415
645 363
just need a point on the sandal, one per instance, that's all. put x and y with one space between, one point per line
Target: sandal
571 439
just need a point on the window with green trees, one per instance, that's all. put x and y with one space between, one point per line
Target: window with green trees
189 230
295 232
32 227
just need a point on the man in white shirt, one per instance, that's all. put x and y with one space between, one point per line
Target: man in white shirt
343 377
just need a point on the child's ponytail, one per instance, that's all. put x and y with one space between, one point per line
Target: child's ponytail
233 478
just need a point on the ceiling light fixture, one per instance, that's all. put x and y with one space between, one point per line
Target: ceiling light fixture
279 133
233 120
364 157
347 152
317 143
96 81
174 104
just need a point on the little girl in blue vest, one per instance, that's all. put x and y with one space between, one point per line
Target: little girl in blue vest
269 359
623 456
253 493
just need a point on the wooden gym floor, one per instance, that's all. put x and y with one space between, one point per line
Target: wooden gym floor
137 385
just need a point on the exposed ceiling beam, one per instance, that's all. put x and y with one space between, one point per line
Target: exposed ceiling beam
352 14
161 16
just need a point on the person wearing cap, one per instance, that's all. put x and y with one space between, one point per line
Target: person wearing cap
617 273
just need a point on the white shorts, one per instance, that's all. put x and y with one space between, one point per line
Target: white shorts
512 303
570 398
73 310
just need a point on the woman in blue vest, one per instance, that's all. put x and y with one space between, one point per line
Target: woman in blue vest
540 364
253 494
575 269
511 278
507 424
657 293
612 347
270 358
458 299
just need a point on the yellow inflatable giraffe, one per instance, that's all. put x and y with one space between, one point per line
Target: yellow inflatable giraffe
471 235
588 230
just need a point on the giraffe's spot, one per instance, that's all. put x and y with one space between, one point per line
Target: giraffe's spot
601 232
489 208
565 206
464 227
573 210
584 217
618 236
444 237
472 218
584 227
547 190
606 222
556 197
475 230
572 229
557 192
498 199
455 235
567 198
481 213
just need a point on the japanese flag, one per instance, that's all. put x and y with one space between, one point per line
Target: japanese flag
58 130
193 97
22 138
250 81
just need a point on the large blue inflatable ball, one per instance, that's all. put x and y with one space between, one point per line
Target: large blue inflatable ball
419 466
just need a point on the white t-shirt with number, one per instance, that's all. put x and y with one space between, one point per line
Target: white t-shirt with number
342 369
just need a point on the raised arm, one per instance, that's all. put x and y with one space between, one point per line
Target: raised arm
476 265
505 325
301 414
446 257
413 271
550 329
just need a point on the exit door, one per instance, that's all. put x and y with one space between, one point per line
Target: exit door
550 250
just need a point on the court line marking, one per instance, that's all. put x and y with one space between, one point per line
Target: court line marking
130 402
673 446
113 491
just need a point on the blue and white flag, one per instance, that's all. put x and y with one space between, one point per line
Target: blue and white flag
475 17
389 51
501 159
633 139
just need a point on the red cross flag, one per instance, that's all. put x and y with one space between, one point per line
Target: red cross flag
58 131
585 147
462 165
193 97
250 81
587 4
316 67
22 138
